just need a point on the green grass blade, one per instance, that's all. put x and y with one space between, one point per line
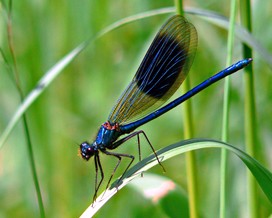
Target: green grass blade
240 32
226 112
188 133
45 81
134 18
251 129
210 16
261 174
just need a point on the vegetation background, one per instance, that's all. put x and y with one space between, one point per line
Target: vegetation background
79 100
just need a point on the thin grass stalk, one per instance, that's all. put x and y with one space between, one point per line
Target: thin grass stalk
188 133
25 124
226 108
33 167
250 111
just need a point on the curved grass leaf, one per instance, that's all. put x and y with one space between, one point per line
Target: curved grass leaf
211 16
261 174
240 32
44 82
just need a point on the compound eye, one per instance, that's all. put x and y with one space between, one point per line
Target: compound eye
86 150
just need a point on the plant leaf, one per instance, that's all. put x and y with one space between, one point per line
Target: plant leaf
262 175
48 77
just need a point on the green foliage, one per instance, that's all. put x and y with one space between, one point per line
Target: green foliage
72 107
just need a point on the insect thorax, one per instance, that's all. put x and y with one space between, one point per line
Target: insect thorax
107 135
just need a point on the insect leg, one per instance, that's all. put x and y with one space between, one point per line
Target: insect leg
141 131
119 157
98 166
137 133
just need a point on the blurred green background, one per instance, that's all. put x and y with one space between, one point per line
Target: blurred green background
79 100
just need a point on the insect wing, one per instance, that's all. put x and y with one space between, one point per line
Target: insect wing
163 69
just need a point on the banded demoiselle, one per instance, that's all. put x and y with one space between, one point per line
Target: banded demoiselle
163 69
